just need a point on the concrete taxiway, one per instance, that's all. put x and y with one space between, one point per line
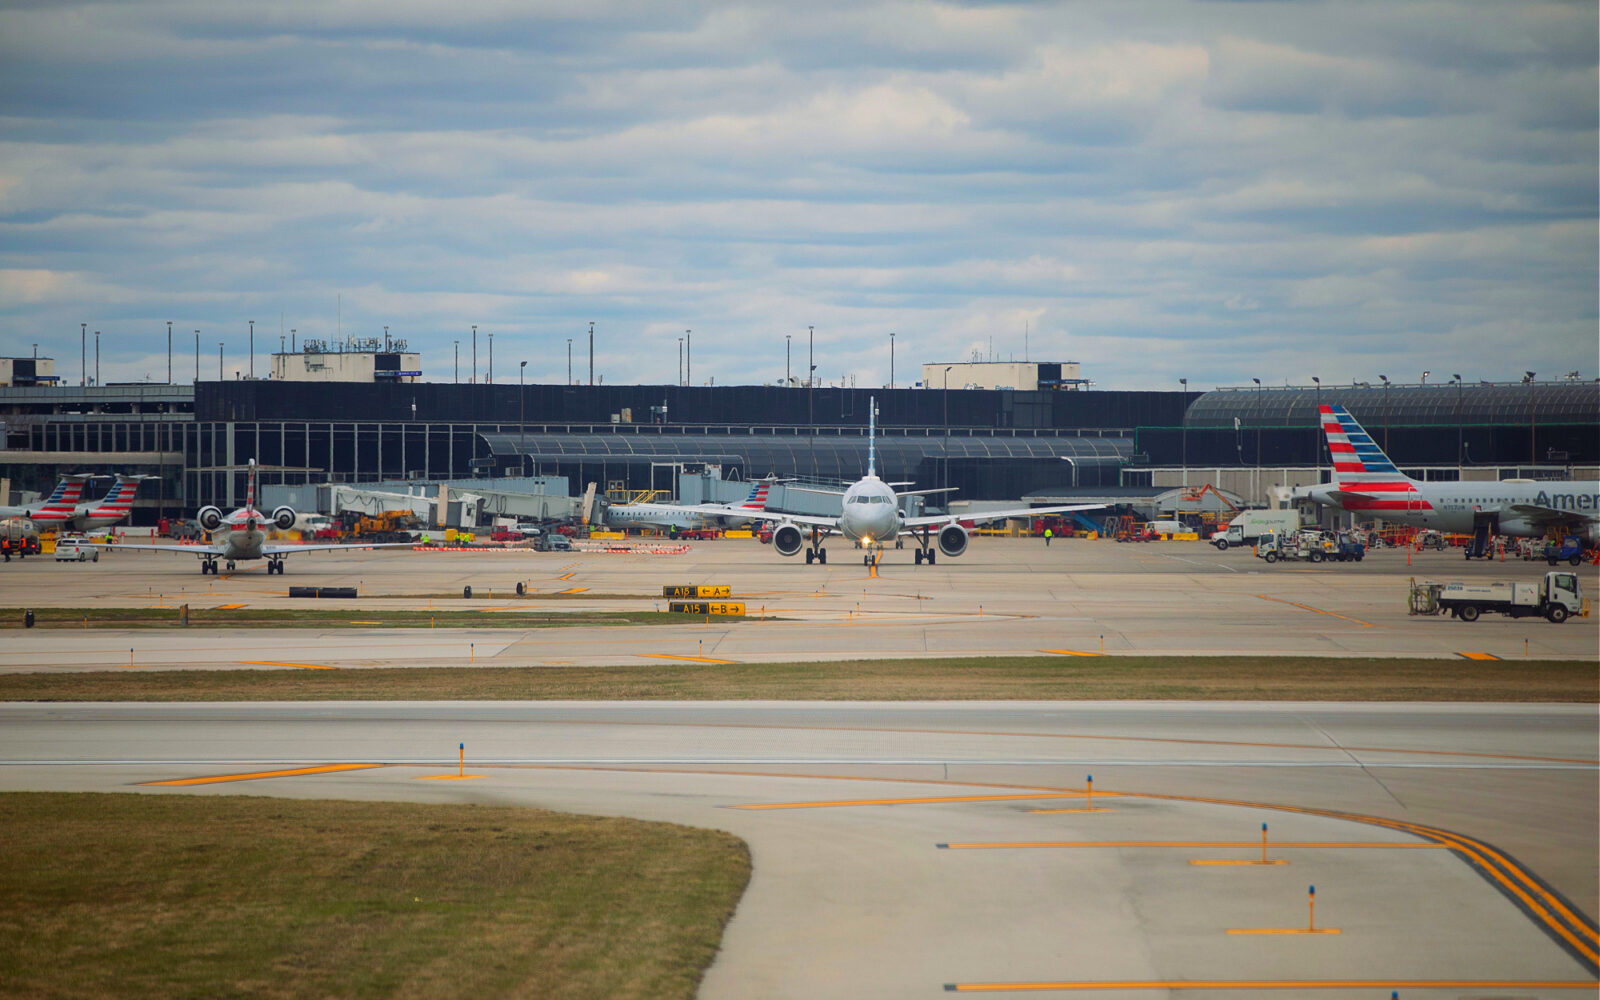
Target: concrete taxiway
1003 597
908 849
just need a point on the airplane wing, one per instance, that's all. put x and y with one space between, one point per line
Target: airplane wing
284 550
996 515
201 551
713 510
1539 513
923 493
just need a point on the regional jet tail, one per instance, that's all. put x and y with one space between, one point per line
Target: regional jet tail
115 507
55 510
242 536
1366 481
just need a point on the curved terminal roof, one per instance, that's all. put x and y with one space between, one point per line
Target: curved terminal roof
829 456
1450 404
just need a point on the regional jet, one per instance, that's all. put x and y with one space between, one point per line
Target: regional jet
686 518
1366 481
871 517
241 536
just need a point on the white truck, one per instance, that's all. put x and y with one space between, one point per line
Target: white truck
1249 525
1557 597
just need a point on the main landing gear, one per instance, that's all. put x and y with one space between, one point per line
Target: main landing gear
924 553
208 566
274 566
816 554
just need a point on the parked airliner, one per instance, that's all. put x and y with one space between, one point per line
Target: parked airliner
1366 481
242 536
871 517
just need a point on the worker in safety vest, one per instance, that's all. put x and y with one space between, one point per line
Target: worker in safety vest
1048 533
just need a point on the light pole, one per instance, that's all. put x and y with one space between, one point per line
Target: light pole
1385 379
97 357
1533 448
688 357
386 336
169 352
474 379
457 344
1425 377
591 353
491 357
197 356
891 359
786 339
253 346
83 354
1316 439
1457 377
680 360
522 415
1183 430
569 360
1257 487
946 395
219 361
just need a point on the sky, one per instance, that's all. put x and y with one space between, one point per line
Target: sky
1210 191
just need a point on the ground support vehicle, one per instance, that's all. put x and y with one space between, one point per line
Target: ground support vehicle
1347 548
1429 539
386 526
1308 544
1248 526
1556 598
553 543
19 537
1570 549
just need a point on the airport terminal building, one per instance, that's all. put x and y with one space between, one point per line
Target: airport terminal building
990 444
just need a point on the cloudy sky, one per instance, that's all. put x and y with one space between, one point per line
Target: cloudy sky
1157 190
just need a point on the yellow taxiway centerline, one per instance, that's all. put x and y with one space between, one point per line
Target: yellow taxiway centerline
695 659
276 663
290 773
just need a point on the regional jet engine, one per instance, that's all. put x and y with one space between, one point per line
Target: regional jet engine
952 540
210 518
787 540
283 517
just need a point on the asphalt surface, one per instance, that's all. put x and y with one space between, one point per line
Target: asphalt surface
1003 597
853 894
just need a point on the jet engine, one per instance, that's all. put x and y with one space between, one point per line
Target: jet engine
952 540
210 518
787 540
283 517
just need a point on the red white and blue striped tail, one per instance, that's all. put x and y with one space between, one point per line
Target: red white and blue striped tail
64 497
120 499
757 500
1363 473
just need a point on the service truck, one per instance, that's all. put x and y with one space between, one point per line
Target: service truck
19 537
1249 525
1557 597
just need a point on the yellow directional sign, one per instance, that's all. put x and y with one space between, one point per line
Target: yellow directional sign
731 608
689 591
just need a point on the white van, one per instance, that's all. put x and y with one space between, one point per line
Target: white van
76 548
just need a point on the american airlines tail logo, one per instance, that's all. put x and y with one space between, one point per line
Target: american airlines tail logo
62 501
757 500
120 499
1361 467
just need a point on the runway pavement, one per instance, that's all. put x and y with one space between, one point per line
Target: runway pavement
902 850
1004 597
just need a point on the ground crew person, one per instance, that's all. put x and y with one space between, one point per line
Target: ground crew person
425 538
1047 534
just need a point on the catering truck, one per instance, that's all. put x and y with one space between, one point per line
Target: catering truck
1557 597
1249 525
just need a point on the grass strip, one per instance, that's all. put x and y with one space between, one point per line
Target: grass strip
311 617
223 896
980 678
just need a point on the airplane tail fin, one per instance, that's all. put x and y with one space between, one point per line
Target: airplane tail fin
757 500
1358 463
66 495
250 488
121 496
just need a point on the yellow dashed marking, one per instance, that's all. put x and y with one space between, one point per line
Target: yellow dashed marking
696 659
1478 656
